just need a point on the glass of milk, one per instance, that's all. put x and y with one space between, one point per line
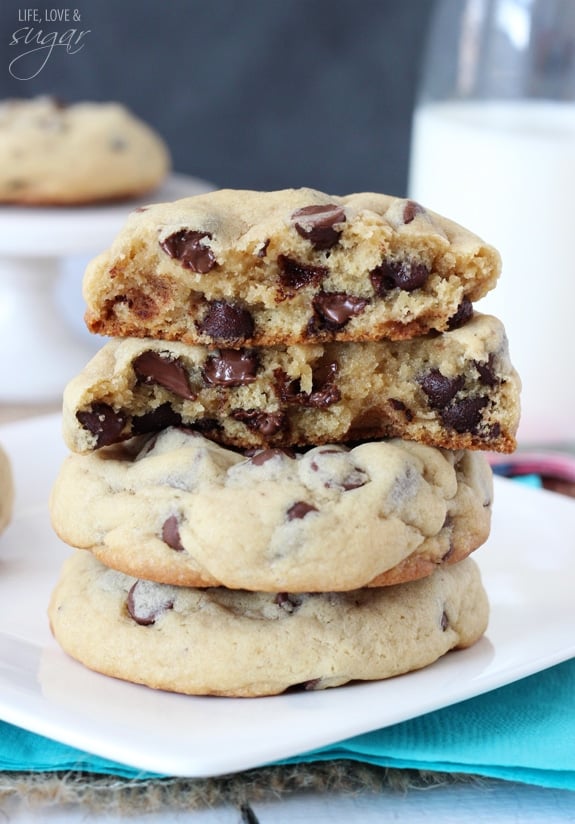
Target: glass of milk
493 147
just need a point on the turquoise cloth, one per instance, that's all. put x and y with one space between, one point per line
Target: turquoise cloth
522 732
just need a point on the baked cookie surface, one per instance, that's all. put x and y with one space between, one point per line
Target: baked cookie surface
179 509
236 268
455 390
222 642
55 154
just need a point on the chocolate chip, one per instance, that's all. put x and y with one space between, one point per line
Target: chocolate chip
267 423
171 534
299 510
206 425
294 275
486 369
104 422
146 603
231 367
152 367
411 210
118 144
463 314
16 183
444 624
440 390
405 275
399 406
314 464
159 418
227 321
356 479
316 224
335 309
260 458
465 415
288 602
324 390
187 247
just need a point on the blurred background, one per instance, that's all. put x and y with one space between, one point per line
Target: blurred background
247 93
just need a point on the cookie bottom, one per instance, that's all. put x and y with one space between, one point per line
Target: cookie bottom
237 643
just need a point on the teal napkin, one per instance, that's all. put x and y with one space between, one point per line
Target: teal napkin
522 732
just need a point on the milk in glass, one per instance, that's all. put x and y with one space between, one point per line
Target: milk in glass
506 171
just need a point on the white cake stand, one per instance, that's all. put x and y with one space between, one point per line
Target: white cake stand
39 351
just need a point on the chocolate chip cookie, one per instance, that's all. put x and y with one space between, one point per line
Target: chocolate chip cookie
241 268
53 154
236 643
457 390
179 509
6 490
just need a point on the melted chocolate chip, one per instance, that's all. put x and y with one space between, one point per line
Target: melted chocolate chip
439 389
294 275
206 425
145 603
399 406
316 224
411 210
463 314
266 423
151 367
405 275
487 375
324 391
104 422
227 321
159 418
465 415
299 510
187 247
171 534
232 367
335 309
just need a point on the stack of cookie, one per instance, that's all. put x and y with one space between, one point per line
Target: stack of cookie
277 458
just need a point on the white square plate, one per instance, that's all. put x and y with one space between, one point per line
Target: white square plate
528 568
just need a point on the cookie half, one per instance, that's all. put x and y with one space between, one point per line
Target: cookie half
235 268
457 390
179 509
56 154
220 642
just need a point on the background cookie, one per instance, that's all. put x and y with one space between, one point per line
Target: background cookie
179 509
457 390
54 154
247 644
239 268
